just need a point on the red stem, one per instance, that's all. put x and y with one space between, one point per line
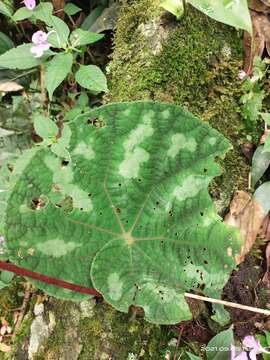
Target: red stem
47 279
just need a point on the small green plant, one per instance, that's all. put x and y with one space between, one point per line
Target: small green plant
230 12
264 340
124 208
67 61
223 347
253 95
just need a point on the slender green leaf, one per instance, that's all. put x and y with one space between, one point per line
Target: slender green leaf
6 276
5 43
266 146
5 10
21 58
219 347
91 78
262 196
60 37
44 127
57 70
44 12
176 7
22 14
83 100
260 163
92 17
60 148
81 37
71 9
220 315
192 356
232 12
266 117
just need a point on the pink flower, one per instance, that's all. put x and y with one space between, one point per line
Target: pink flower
241 356
251 343
30 4
40 43
241 75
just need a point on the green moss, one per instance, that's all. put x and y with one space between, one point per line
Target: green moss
105 333
111 333
195 65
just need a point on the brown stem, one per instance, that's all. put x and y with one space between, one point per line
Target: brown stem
42 85
47 279
27 296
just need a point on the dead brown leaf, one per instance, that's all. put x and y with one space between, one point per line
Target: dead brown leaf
261 39
59 8
258 5
266 277
10 86
266 2
264 136
265 230
247 215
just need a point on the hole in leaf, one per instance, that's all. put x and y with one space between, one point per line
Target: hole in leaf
205 262
119 184
89 194
37 204
66 204
118 210
97 122
139 180
10 167
64 163
204 170
201 213
170 213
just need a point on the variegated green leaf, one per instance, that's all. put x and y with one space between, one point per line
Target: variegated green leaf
130 212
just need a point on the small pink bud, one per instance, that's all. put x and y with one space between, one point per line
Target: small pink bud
30 4
241 75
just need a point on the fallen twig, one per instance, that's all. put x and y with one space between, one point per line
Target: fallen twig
27 296
229 304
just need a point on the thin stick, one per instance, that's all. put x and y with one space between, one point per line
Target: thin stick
228 303
27 296
42 84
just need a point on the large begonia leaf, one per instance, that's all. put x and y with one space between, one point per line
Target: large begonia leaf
130 212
